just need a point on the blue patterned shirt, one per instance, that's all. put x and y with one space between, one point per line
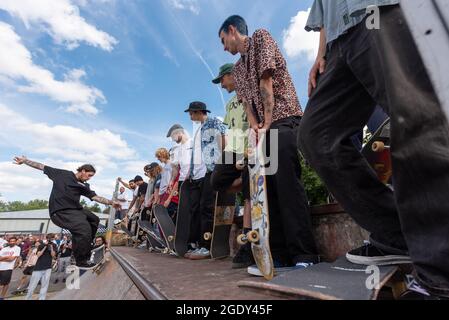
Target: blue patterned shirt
338 16
212 131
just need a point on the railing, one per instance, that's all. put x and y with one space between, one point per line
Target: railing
146 288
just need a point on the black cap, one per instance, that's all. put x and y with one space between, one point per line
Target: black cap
138 178
174 128
197 106
150 166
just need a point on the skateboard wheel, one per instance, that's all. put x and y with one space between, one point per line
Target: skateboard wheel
171 238
207 236
240 165
253 236
140 233
378 146
154 220
242 239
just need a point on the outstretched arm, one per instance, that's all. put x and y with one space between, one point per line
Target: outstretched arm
126 185
23 160
107 202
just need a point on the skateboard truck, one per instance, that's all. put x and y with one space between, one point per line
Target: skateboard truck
252 237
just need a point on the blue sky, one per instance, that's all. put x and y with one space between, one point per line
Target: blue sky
102 81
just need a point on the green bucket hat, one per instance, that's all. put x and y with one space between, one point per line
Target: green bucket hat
225 69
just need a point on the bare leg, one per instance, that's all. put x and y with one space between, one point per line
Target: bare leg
4 291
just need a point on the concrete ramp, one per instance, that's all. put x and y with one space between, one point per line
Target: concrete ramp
111 284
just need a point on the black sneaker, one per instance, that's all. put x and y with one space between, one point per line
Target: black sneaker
86 265
244 257
415 291
369 255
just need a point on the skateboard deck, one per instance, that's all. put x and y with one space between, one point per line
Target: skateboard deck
98 257
182 230
260 235
166 225
223 219
377 153
154 242
341 280
131 237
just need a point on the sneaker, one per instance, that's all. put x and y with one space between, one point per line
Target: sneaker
200 254
415 291
86 265
189 252
369 255
302 265
244 258
278 268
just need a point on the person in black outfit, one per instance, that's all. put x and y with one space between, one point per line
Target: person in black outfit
65 209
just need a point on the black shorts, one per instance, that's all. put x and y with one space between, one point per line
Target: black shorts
5 277
28 271
225 174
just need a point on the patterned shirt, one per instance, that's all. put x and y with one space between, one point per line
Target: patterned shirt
263 54
238 127
211 132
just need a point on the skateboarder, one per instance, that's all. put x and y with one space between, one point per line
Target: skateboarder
357 68
271 103
65 208
209 141
226 177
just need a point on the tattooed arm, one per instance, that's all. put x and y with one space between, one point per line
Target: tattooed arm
266 91
252 120
23 160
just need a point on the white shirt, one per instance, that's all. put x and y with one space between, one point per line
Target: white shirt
9 252
125 203
184 157
165 178
2 243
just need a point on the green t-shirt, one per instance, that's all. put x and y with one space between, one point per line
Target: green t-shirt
238 127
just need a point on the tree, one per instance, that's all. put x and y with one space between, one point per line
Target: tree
316 191
22 206
94 207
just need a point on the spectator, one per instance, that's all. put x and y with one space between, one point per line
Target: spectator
8 257
64 259
3 242
42 270
123 199
31 260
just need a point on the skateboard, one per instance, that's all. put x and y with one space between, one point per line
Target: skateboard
19 293
223 219
377 153
341 280
182 231
131 237
154 242
260 235
98 257
166 225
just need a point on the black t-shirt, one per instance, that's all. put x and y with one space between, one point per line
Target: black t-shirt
45 260
142 189
65 252
67 190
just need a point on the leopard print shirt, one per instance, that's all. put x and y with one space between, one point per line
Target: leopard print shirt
263 54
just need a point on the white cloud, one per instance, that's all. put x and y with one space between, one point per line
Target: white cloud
297 41
99 147
61 19
16 64
190 5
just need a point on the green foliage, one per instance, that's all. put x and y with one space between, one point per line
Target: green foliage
316 191
23 206
93 208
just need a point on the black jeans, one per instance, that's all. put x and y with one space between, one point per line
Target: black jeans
291 237
190 191
207 209
365 67
83 226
